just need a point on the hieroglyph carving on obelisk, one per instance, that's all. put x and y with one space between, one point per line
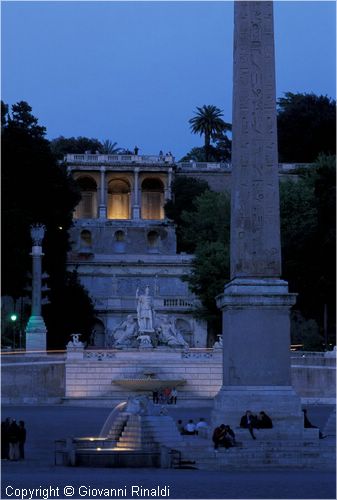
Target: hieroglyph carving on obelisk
255 224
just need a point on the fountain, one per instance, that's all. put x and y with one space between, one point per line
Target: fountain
148 381
135 434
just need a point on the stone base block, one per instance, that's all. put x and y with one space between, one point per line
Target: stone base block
102 214
281 403
36 334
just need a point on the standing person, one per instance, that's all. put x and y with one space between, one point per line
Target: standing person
136 150
174 395
167 395
13 438
4 439
155 396
22 439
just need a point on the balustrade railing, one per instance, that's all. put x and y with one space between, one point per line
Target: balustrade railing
177 302
120 158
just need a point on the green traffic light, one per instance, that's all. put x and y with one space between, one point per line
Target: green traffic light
14 317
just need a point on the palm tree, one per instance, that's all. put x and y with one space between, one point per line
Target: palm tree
208 121
109 148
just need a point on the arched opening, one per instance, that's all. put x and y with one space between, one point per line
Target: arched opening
87 207
86 239
153 241
152 199
97 337
119 241
118 199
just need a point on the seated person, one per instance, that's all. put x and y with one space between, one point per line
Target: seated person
308 424
248 421
221 437
190 427
264 421
230 435
180 427
201 427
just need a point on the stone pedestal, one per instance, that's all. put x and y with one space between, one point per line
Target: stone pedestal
36 334
102 212
256 361
136 212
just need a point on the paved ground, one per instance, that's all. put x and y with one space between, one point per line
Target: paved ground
47 423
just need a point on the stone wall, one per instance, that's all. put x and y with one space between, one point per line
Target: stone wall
314 376
32 380
94 375
48 380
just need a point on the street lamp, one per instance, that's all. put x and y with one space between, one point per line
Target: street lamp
14 317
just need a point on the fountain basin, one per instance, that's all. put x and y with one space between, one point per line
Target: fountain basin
147 384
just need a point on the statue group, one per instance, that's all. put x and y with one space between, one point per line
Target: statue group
159 328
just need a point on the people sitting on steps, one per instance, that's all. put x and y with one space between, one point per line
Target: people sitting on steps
190 428
308 425
263 421
202 427
249 421
224 436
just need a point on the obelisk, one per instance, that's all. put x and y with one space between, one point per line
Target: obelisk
255 303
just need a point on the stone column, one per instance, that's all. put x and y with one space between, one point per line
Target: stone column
256 302
135 206
102 210
168 193
36 330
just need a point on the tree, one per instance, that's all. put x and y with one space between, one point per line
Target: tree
220 152
308 234
35 188
74 312
196 154
207 230
208 122
62 146
306 127
185 190
109 148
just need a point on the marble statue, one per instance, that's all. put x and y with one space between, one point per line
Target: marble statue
144 341
75 342
167 334
145 310
138 405
218 344
125 332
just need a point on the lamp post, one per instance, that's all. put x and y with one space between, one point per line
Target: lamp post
36 330
13 318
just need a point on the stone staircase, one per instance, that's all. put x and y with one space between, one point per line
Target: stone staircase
117 426
270 450
330 426
150 432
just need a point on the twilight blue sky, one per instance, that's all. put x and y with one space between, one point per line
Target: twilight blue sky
133 72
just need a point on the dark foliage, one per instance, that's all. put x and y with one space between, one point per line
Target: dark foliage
185 190
79 145
306 127
308 233
34 189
